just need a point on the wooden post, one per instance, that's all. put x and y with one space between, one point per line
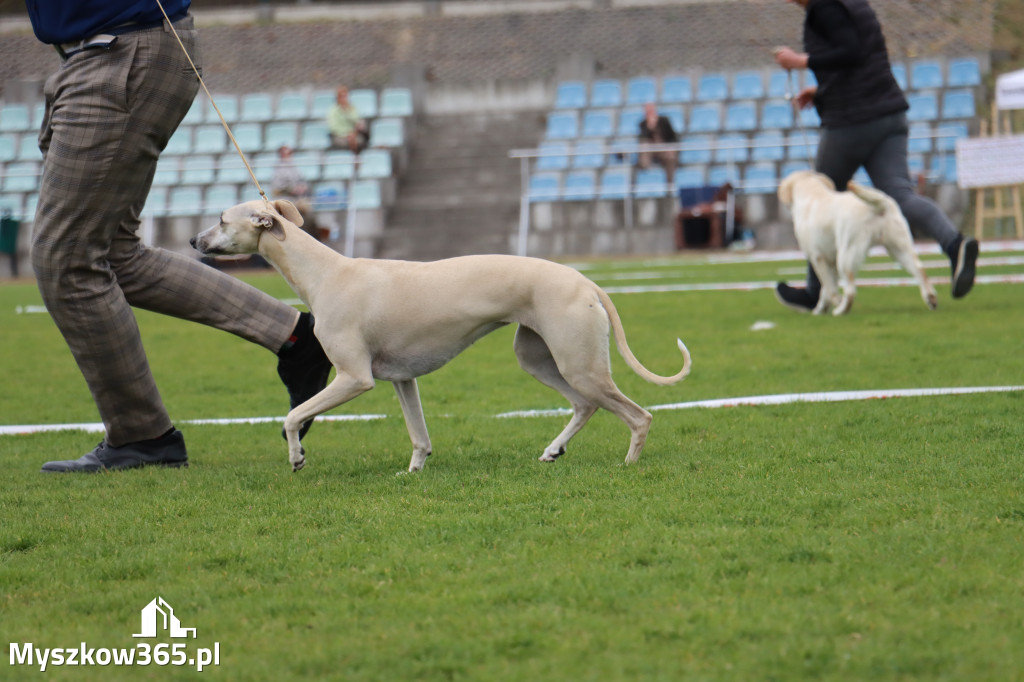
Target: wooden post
982 211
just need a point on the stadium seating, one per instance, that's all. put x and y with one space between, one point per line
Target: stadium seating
15 118
28 149
732 148
257 106
712 87
926 74
964 72
676 90
920 141
697 149
228 106
197 170
8 147
375 163
598 123
741 116
690 176
570 95
760 178
563 125
396 102
280 133
705 118
650 183
923 107
579 185
629 121
21 176
606 93
545 186
387 132
640 91
365 195
768 145
291 107
589 154
555 156
747 85
777 115
249 137
364 101
615 183
781 84
958 104
899 72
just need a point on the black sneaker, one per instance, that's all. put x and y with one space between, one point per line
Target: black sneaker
964 259
304 369
166 451
795 298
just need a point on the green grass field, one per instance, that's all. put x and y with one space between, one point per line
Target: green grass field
860 540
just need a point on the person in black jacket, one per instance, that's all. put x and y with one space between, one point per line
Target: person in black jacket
864 123
655 129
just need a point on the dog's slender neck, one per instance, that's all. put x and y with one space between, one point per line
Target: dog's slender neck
300 258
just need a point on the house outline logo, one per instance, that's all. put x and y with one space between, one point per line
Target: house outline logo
158 612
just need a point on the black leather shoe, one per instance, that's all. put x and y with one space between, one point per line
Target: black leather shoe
795 298
304 369
964 258
166 451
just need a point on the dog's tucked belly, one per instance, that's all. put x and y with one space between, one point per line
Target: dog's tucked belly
416 359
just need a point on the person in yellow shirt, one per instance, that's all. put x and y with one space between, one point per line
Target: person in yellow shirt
347 128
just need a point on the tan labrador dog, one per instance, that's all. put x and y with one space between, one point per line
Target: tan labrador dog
397 320
836 229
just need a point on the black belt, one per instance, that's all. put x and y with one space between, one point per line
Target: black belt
103 41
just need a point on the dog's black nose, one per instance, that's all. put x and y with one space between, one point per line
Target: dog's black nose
192 242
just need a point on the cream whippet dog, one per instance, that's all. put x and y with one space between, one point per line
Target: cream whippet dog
836 229
397 320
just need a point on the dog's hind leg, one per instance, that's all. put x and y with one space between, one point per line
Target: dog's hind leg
902 251
345 387
848 262
535 357
826 272
412 410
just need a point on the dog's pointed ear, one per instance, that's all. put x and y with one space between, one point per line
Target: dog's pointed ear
268 223
288 210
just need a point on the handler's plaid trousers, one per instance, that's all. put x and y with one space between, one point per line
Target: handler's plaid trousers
109 113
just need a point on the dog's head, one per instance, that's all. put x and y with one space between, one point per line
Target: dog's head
241 227
793 179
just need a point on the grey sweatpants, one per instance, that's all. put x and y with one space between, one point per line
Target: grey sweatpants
880 146
109 114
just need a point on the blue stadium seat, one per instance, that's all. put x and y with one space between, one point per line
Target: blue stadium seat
555 156
570 95
231 170
15 118
280 133
228 105
598 123
220 197
8 147
210 139
257 107
387 132
28 150
899 72
21 176
310 163
185 201
562 125
760 178
263 165
330 196
156 202
292 106
32 203
747 85
606 93
925 75
947 134
675 116
365 195
322 102
394 102
589 154
689 176
180 142
363 99
697 149
167 172
641 90
732 147
615 183
629 121
809 78
919 140
809 118
861 177
622 150
650 183
198 170
705 118
712 87
915 165
777 115
719 175
923 107
964 72
249 137
676 90
339 164
11 203
545 186
943 168
782 83
791 167
375 163
195 112
579 185
741 116
768 145
803 144
314 135
958 104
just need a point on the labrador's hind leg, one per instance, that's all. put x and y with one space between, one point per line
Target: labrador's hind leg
535 357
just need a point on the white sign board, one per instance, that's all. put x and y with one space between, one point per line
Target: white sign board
990 161
1010 91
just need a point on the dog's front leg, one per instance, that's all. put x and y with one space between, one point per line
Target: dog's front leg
412 410
344 387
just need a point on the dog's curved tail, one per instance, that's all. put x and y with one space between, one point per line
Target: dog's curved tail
627 354
879 201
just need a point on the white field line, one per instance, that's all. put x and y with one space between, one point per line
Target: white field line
747 401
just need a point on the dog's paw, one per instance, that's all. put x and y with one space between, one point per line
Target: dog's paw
298 465
551 455
932 301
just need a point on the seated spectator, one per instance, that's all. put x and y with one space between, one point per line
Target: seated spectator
346 126
289 184
655 129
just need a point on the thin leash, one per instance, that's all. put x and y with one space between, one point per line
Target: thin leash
791 98
223 121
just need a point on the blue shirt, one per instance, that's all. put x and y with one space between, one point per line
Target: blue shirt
67 21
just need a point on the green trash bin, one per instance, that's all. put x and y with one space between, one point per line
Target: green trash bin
9 227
